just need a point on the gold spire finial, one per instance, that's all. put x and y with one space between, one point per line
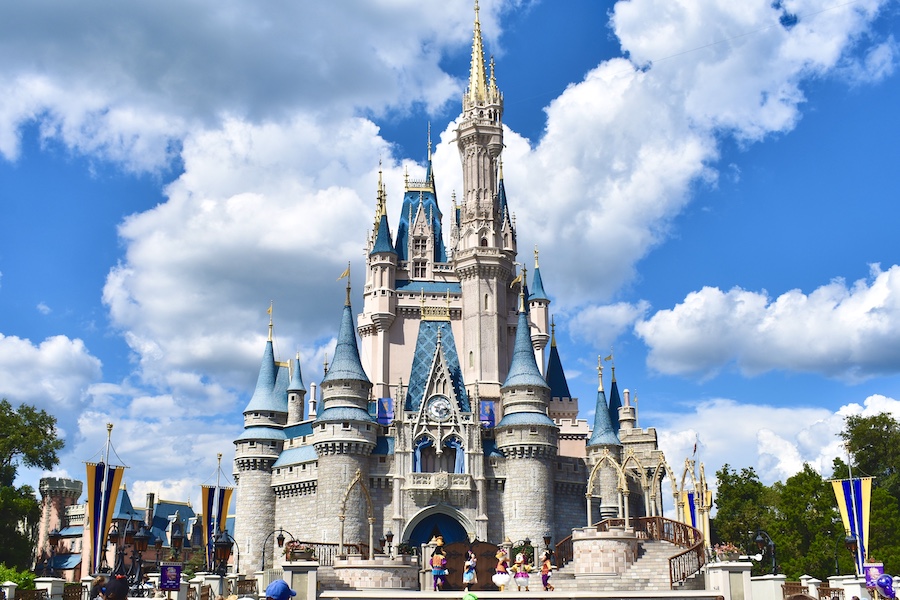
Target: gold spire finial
535 256
500 169
429 141
325 364
271 322
477 91
552 331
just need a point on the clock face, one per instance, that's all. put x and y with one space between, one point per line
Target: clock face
439 408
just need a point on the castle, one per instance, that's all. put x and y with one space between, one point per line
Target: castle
460 422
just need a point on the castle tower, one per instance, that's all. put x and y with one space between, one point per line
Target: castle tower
604 443
56 494
485 240
380 296
296 393
256 450
539 313
344 437
615 401
528 439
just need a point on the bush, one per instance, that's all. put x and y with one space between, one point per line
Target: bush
24 579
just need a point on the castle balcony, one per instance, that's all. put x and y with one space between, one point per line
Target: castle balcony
453 488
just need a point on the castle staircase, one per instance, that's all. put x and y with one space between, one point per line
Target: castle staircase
670 556
650 572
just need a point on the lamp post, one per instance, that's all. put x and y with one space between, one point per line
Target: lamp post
852 545
763 542
177 537
139 542
279 540
52 539
389 536
158 544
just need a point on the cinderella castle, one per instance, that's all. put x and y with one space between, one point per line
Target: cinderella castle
459 421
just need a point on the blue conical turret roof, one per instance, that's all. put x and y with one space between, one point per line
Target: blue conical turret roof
296 384
537 287
383 238
346 363
603 432
556 377
615 403
523 369
264 399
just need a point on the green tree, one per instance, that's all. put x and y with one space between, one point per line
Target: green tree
806 525
874 443
23 579
27 437
743 506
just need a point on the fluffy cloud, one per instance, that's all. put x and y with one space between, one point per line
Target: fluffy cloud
53 375
775 441
127 83
851 332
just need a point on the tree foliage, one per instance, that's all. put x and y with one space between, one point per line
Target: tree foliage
874 443
743 505
801 515
27 437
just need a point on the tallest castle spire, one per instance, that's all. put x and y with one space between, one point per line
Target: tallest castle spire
477 92
482 90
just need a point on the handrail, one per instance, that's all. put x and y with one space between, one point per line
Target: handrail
681 566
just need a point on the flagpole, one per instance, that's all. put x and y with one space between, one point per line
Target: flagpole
103 497
859 541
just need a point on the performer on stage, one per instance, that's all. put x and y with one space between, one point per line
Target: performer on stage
501 577
439 568
469 575
521 569
546 567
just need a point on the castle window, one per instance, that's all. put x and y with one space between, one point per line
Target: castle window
486 298
419 269
382 459
345 425
483 242
532 430
252 444
302 467
419 246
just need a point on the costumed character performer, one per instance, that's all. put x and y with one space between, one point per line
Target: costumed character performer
521 568
439 568
469 575
501 576
546 567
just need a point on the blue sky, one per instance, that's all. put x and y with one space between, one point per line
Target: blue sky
711 187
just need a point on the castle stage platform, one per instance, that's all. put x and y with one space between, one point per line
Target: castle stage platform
515 595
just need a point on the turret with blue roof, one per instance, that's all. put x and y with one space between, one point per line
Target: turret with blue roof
603 433
615 400
525 393
345 387
527 437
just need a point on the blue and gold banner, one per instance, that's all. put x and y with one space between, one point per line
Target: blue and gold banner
690 509
103 483
215 501
854 499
